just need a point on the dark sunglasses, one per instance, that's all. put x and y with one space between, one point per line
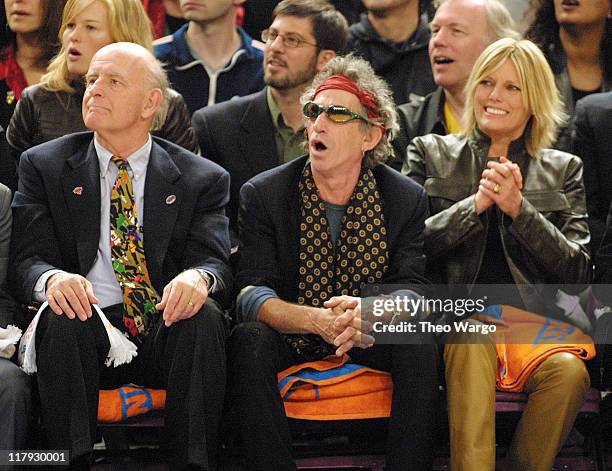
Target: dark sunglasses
338 114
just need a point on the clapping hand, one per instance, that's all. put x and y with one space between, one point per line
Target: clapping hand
501 184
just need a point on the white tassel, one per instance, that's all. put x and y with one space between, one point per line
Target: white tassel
8 340
26 357
121 351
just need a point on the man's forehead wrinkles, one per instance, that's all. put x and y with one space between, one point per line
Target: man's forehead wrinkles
107 68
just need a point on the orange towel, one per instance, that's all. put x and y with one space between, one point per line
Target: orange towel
524 340
334 389
115 405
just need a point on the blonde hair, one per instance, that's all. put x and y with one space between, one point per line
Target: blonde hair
536 80
499 21
128 23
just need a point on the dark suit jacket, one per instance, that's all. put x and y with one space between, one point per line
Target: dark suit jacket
9 314
592 141
269 228
238 135
8 169
420 116
55 227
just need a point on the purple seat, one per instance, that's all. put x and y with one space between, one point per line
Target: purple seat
366 462
516 402
504 402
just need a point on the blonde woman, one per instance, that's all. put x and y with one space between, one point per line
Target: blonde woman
52 108
506 210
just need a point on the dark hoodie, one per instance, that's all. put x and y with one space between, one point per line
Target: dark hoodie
404 66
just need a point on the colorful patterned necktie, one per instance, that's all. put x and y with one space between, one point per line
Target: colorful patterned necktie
128 257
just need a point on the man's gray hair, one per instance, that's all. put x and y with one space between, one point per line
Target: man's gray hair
499 20
362 73
158 79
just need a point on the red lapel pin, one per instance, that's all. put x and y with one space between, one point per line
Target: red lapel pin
78 190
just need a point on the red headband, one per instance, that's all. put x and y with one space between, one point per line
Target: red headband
342 82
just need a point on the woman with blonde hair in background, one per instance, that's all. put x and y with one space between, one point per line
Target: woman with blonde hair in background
52 108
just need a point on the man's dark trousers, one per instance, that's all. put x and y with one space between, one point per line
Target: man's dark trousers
187 359
257 353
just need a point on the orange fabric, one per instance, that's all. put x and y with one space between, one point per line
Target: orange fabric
333 389
115 405
521 343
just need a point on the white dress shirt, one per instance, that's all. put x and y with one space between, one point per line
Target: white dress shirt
101 275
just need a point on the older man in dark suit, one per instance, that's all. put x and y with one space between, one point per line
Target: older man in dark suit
249 135
136 225
339 220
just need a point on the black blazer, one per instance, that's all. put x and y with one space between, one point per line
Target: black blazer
8 168
592 141
238 135
56 213
9 313
270 228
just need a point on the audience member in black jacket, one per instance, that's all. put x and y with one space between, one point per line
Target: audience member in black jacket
461 29
8 168
592 142
394 40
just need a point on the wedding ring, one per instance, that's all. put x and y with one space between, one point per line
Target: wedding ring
496 188
190 304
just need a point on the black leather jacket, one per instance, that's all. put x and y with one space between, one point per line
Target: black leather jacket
547 243
42 115
420 116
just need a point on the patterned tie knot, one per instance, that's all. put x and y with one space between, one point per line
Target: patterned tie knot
119 162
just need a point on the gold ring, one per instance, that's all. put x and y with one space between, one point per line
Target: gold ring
190 304
496 188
